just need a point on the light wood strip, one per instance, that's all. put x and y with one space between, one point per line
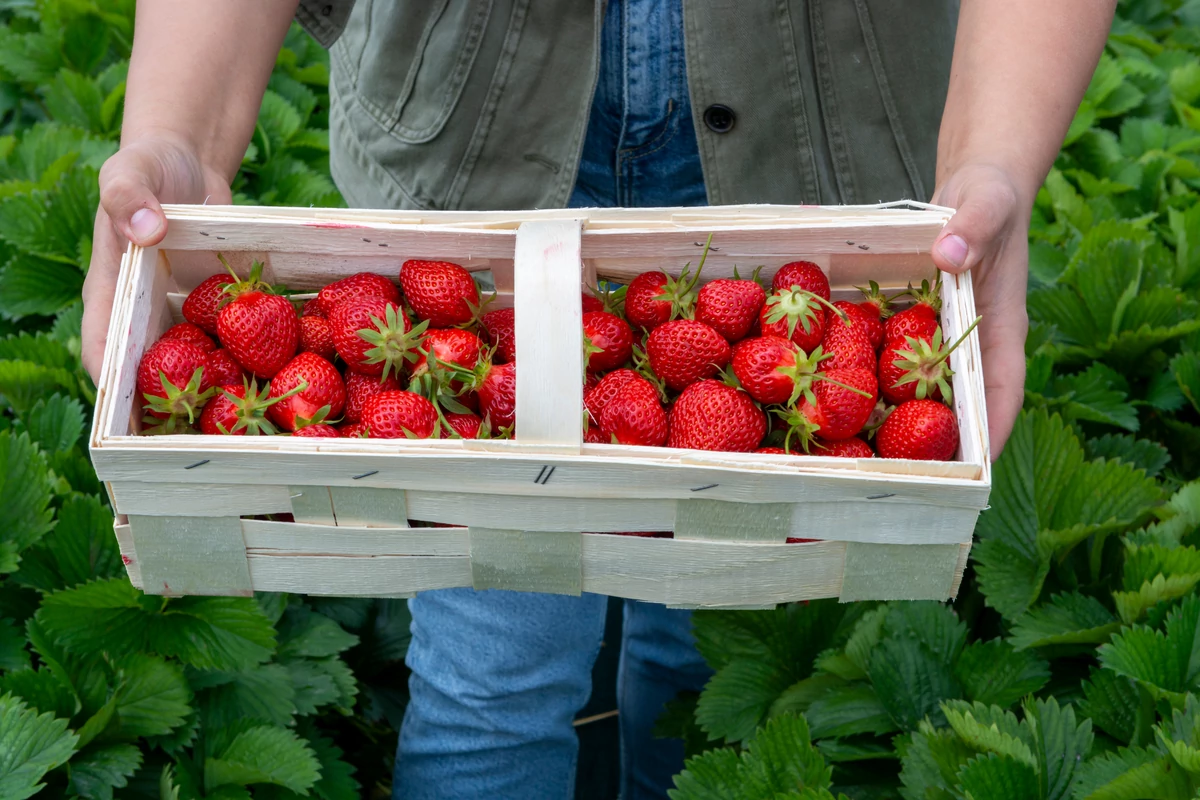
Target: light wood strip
293 538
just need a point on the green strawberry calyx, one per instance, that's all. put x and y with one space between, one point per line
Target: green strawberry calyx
251 410
392 342
178 402
928 363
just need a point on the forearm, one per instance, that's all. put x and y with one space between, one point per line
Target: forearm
1019 71
198 72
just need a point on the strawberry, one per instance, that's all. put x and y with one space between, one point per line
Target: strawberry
598 397
924 430
170 377
240 410
608 341
322 394
684 351
772 369
593 435
497 388
795 315
654 298
591 303
730 307
453 346
772 451
840 405
312 308
316 337
318 431
862 319
463 426
919 320
354 287
499 328
186 331
803 275
360 387
846 346
202 303
399 415
374 336
590 381
918 368
711 415
440 292
635 416
220 369
877 307
853 447
260 329
353 430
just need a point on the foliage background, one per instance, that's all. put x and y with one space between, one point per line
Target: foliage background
1068 666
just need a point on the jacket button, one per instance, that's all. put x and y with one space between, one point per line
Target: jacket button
719 118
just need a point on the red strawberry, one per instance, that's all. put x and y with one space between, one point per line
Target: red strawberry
360 387
258 328
463 426
374 336
499 327
597 398
842 448
440 292
920 320
635 416
202 303
590 381
497 388
399 415
354 430
918 368
846 346
450 346
316 337
862 319
170 377
711 415
187 332
772 451
803 275
877 307
684 351
354 287
919 429
591 303
730 307
795 315
240 411
593 435
318 431
841 404
772 369
312 308
322 394
654 298
608 341
220 369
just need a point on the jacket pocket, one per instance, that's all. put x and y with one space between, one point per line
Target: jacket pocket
410 59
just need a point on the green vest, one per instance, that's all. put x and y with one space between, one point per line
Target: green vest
483 104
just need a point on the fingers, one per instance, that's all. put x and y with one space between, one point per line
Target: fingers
986 209
1003 348
98 290
130 184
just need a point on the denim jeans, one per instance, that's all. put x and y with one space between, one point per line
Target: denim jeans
497 676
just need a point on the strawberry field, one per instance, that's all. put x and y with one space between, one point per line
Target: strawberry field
1068 667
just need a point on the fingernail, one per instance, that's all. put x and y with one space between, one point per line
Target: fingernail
954 249
144 223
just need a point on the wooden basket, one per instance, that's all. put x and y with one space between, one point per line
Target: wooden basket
186 505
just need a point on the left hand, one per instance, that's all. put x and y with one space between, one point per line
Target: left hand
989 235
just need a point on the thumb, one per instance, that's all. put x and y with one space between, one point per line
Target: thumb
985 213
129 186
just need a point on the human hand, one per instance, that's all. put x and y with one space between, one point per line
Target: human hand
133 183
989 235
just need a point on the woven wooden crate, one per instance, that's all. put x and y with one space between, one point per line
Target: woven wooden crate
186 505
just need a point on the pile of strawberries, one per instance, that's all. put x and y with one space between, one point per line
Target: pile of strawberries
730 365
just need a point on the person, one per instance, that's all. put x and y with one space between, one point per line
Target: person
512 104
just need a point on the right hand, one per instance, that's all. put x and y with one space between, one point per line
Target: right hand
139 177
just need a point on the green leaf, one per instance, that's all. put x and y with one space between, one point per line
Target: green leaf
26 491
53 223
994 674
264 692
1132 774
337 776
13 655
31 285
81 547
95 772
153 698
990 729
849 710
911 681
30 746
23 383
1166 662
1092 395
930 762
781 758
737 698
303 632
797 698
1144 454
1070 618
710 776
322 682
42 690
30 58
264 754
1180 735
998 777
278 120
85 42
74 99
1186 369
1060 745
56 424
1111 703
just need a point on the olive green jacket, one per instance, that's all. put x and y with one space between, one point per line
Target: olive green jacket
483 104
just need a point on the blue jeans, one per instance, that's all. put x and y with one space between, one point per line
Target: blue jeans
498 677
